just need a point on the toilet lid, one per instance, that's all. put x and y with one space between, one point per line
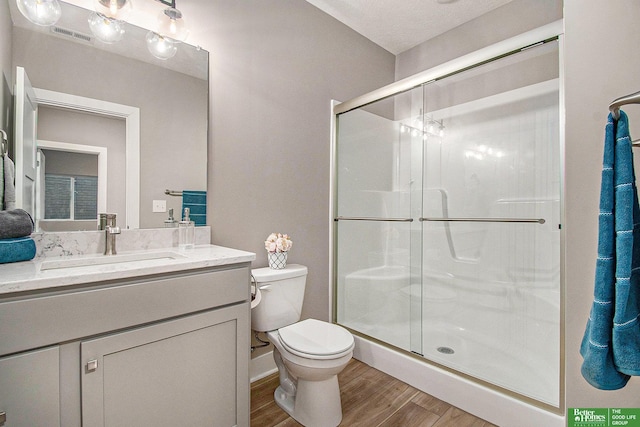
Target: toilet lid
316 338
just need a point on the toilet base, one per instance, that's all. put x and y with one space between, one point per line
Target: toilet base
315 404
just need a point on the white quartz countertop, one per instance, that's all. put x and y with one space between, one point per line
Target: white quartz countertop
55 272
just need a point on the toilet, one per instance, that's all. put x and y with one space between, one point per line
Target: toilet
309 354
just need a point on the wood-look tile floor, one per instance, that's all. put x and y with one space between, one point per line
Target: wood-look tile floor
370 398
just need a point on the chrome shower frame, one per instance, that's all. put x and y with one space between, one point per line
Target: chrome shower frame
551 414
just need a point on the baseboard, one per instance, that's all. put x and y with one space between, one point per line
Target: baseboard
262 366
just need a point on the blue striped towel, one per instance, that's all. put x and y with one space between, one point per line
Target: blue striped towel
611 343
196 201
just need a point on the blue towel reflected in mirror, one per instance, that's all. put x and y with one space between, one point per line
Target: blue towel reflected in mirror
196 201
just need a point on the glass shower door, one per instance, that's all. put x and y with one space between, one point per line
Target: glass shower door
491 223
448 218
378 242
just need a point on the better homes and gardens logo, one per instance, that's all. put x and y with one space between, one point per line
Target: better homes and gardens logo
589 417
603 417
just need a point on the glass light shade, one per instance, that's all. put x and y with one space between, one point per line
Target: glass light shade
118 9
40 12
107 30
172 25
161 47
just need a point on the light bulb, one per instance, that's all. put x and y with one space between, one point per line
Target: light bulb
161 47
117 9
40 12
172 25
107 30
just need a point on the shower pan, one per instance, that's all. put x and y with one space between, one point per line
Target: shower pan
447 221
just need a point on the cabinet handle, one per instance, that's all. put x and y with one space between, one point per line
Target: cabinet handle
3 417
92 365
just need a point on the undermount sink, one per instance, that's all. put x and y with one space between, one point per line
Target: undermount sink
107 259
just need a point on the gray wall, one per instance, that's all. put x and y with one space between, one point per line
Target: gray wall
62 163
601 64
507 21
275 66
74 127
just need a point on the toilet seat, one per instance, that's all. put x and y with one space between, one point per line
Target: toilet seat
315 339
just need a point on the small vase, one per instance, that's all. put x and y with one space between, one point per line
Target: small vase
277 260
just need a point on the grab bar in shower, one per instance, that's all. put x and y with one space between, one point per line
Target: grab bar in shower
529 220
355 218
524 220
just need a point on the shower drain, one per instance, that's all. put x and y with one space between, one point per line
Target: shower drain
446 350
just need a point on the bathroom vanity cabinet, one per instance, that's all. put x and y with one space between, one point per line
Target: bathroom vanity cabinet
159 349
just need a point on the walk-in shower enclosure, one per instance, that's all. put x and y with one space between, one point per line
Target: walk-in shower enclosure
447 220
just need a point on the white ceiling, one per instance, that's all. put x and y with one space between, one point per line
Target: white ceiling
398 25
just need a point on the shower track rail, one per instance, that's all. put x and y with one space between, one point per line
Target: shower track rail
502 49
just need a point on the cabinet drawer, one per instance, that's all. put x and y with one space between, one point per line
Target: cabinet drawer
46 320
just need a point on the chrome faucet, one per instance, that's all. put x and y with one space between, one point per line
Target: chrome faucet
108 224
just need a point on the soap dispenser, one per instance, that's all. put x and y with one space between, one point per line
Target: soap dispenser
186 232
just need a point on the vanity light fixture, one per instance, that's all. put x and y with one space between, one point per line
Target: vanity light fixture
170 22
40 12
107 30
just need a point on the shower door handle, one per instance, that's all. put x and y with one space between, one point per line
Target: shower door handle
525 220
356 218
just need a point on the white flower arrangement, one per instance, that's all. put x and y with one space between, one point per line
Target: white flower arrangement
277 242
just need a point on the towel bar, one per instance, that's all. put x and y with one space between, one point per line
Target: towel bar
615 105
525 220
348 218
173 193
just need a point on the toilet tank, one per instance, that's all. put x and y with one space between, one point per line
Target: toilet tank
282 294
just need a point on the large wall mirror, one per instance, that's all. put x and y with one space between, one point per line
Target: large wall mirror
86 147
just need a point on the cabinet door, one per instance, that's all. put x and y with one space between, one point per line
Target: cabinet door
30 389
176 373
